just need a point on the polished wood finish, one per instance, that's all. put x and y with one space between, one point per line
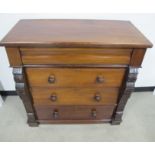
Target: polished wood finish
75 71
75 96
14 56
86 121
75 33
23 92
75 56
137 57
75 77
74 112
127 89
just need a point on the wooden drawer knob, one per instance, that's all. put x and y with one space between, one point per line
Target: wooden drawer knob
51 79
97 97
53 97
94 113
99 79
55 114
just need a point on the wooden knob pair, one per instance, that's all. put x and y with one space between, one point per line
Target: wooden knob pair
56 113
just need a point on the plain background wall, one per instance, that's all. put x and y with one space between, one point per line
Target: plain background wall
144 22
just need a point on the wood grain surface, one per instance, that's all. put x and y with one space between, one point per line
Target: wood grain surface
75 96
75 33
75 71
75 77
74 112
75 56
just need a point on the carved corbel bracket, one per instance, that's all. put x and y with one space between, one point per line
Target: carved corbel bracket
23 92
127 89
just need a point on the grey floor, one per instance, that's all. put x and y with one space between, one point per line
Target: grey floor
138 124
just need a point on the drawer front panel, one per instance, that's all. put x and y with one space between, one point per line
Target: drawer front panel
74 112
75 96
75 56
64 77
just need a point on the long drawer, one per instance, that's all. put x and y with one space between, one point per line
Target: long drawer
75 96
75 56
74 112
75 77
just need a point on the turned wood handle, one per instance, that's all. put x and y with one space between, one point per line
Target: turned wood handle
51 79
97 97
93 113
53 97
55 114
99 79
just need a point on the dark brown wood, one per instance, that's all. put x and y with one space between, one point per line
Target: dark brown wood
137 57
78 66
14 57
75 71
80 55
136 89
74 112
127 89
75 33
23 92
75 77
75 96
92 121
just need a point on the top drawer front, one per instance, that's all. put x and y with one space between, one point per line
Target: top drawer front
75 77
75 56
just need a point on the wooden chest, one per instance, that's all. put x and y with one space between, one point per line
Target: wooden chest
75 71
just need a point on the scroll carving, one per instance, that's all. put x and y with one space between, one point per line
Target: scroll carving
23 92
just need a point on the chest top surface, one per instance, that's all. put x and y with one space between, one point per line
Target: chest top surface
75 33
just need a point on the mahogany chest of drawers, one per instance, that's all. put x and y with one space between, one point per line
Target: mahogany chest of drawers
74 71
